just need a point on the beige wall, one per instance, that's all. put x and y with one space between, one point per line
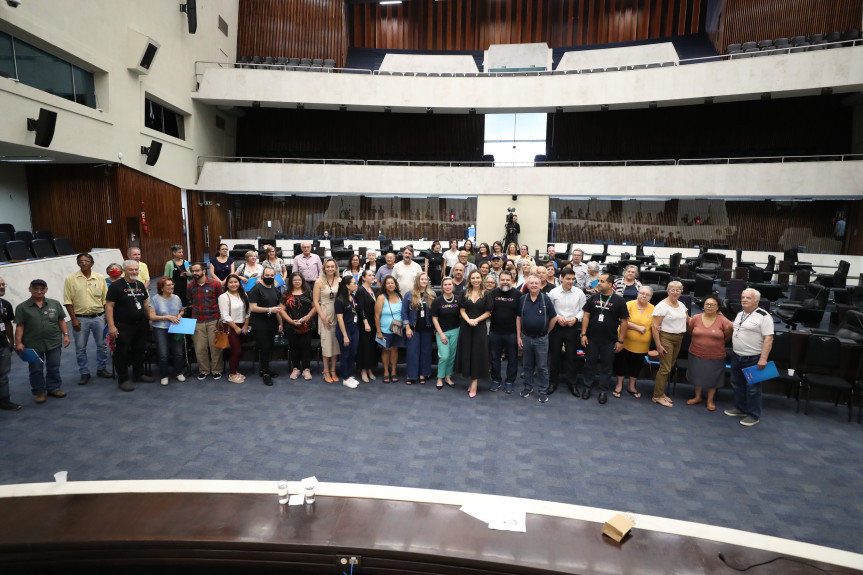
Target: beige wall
94 34
532 212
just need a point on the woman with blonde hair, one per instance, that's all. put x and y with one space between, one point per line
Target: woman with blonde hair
670 320
419 329
512 251
324 298
472 356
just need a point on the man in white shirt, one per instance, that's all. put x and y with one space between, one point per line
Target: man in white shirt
569 303
406 271
752 341
580 269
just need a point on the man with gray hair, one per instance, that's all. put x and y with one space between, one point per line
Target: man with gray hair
127 312
308 264
580 269
752 341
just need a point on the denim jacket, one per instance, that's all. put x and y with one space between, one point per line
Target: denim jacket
409 316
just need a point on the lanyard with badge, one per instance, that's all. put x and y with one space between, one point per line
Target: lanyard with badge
2 316
133 290
739 327
602 307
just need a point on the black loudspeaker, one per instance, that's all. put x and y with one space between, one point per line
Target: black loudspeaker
152 152
191 10
44 127
147 58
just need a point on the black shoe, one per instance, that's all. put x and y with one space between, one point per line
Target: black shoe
127 386
551 389
574 391
105 373
585 393
216 375
602 397
202 376
144 378
85 377
9 405
274 374
525 392
268 379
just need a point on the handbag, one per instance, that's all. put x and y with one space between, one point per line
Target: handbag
221 341
397 326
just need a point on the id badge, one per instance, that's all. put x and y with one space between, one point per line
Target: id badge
355 319
601 318
2 326
423 312
137 305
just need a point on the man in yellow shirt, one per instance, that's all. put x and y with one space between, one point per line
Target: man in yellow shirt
143 271
84 298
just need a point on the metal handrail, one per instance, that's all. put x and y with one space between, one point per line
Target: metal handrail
547 163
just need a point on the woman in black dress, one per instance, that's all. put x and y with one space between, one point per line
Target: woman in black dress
367 356
472 358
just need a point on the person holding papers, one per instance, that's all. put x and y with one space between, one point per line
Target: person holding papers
167 309
710 330
41 326
752 340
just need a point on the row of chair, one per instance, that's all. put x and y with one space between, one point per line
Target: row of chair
794 45
282 63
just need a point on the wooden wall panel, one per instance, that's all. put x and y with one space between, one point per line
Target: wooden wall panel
76 201
744 21
208 223
293 28
476 24
332 134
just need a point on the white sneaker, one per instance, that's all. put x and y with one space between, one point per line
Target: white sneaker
352 383
355 380
181 377
164 381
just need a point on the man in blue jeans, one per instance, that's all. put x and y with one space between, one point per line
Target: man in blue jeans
501 335
41 326
752 341
84 298
6 345
536 317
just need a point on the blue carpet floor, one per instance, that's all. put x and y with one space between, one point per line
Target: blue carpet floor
792 476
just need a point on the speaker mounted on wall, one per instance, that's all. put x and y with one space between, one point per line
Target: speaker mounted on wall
152 152
190 8
43 126
142 51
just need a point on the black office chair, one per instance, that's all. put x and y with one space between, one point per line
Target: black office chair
64 247
703 288
43 248
808 314
837 279
43 235
780 354
9 229
24 236
824 354
18 251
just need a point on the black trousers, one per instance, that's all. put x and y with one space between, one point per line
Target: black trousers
265 332
131 342
560 337
300 346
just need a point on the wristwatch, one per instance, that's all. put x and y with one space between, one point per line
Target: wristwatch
618 341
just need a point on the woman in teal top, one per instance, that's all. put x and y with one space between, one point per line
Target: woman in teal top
387 308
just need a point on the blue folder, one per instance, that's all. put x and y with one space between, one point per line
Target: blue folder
30 356
755 375
186 326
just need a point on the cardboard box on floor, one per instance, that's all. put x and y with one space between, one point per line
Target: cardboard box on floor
617 527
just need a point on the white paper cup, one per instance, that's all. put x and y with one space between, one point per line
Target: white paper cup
60 477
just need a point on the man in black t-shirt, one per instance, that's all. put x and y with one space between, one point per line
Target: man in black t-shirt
501 335
602 328
7 342
127 312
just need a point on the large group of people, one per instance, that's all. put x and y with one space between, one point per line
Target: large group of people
494 304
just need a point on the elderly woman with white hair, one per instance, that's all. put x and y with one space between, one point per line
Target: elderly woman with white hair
627 285
670 320
592 277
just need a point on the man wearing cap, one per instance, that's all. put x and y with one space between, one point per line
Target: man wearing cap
7 315
496 268
84 298
40 325
127 312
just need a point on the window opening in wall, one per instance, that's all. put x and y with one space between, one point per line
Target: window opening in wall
163 119
515 139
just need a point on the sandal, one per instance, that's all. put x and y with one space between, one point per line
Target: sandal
386 379
372 376
365 379
326 376
634 394
662 401
693 401
616 394
409 382
422 380
394 379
